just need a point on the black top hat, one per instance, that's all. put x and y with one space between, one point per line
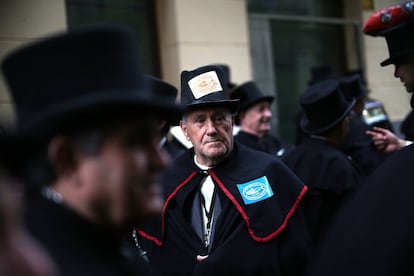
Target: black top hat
75 78
225 68
227 71
249 93
352 87
324 107
165 91
321 72
206 86
161 88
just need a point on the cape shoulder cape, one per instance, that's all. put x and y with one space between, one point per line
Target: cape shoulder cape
264 219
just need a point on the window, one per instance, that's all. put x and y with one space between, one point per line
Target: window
288 38
139 15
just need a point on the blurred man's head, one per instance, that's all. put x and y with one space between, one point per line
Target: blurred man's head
396 25
326 112
80 96
353 88
110 173
255 115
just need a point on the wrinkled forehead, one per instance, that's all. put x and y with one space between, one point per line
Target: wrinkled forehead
208 112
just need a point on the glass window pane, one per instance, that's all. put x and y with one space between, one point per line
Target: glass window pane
297 47
323 8
135 14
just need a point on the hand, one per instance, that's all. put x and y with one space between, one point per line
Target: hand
385 141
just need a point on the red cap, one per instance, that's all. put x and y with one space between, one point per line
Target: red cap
388 19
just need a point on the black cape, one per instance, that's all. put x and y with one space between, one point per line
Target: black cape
267 237
330 176
268 143
407 126
373 235
77 246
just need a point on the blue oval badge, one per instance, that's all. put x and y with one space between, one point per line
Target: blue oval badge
256 190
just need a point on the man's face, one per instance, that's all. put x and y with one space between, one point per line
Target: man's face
405 72
122 178
257 119
210 130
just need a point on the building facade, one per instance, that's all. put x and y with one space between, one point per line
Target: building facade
275 43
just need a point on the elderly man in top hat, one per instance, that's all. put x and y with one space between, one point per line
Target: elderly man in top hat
229 210
318 161
177 137
358 145
92 170
373 236
255 118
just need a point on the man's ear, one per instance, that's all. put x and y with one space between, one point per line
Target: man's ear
62 154
183 126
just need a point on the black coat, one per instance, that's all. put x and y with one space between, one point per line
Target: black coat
407 126
266 237
331 179
374 234
77 246
358 145
268 143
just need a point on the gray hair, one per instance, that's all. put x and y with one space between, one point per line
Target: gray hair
184 118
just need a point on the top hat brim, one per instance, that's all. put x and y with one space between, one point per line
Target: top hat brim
19 145
128 102
308 127
232 105
95 108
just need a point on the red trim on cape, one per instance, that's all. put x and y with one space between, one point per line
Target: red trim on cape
236 204
152 238
246 218
149 237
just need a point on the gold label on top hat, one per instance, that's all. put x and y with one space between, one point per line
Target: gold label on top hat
205 84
